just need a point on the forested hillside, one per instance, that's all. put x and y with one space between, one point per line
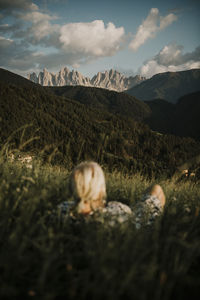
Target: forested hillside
187 120
75 132
180 119
114 102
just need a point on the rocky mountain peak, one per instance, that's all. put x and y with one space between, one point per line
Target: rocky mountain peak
65 70
112 79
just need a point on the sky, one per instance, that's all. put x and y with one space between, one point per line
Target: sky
134 37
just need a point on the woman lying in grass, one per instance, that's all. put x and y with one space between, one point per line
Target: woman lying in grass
87 183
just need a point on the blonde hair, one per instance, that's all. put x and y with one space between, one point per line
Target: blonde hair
88 185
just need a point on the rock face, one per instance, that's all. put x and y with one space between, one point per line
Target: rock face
111 80
63 77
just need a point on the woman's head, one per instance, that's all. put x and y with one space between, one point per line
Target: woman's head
88 186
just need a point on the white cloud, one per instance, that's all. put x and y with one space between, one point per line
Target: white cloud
167 20
34 40
170 55
36 17
42 30
150 26
171 59
75 43
29 23
72 44
92 39
41 26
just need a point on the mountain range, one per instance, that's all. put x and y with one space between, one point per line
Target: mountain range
169 86
115 129
181 118
81 123
112 80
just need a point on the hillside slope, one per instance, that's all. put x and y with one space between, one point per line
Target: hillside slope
160 115
187 115
169 86
77 132
181 119
8 77
113 102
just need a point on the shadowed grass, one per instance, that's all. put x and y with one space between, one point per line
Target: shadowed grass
42 258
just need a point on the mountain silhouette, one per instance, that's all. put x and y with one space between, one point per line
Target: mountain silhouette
169 86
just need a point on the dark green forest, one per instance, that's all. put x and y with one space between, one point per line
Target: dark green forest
112 134
181 119
46 257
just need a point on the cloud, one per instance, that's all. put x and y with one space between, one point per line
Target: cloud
150 27
18 57
34 40
34 31
15 55
7 28
171 59
41 27
31 25
166 21
36 17
5 44
92 39
9 6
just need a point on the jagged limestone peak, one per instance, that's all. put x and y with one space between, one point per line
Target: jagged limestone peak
109 79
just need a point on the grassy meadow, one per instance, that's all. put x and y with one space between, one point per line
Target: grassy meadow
42 258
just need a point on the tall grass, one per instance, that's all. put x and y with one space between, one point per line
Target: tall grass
43 258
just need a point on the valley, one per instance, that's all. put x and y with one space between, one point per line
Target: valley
112 128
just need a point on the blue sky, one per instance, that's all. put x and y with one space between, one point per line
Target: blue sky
134 37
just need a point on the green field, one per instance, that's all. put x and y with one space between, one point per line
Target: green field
41 257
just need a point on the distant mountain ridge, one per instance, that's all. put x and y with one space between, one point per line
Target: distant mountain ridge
76 130
111 80
169 86
110 101
181 119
